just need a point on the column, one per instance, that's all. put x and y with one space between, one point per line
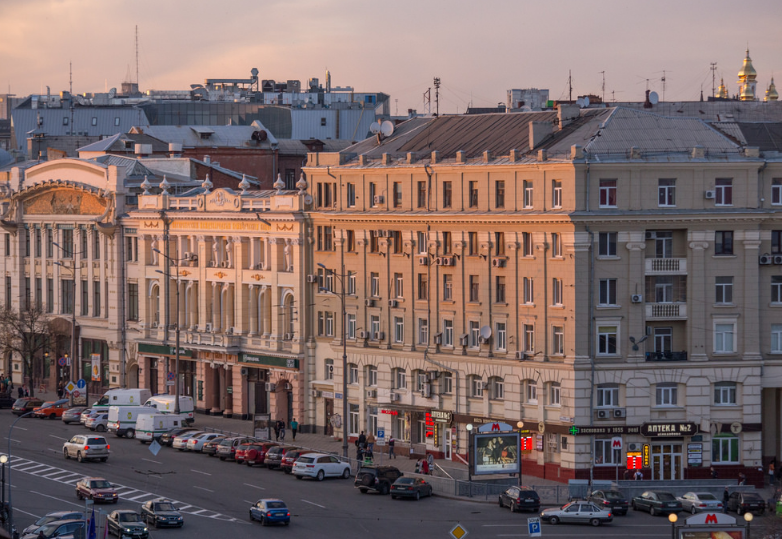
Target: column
636 280
215 307
750 336
252 310
698 324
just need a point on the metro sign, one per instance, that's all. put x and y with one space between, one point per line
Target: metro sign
616 442
710 518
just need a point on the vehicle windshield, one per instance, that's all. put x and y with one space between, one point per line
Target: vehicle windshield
706 496
275 505
129 517
103 400
165 506
100 484
405 481
49 530
20 402
665 496
613 495
751 496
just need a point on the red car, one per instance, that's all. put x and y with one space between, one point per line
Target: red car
257 453
290 457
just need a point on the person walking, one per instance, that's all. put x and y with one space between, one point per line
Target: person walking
294 428
276 431
725 498
282 430
430 462
713 472
20 391
362 440
371 442
425 467
60 389
771 469
391 442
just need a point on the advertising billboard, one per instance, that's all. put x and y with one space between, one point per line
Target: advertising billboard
496 453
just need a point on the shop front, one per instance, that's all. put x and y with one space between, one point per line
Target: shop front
157 369
269 385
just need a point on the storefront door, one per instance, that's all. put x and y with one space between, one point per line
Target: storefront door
666 461
447 439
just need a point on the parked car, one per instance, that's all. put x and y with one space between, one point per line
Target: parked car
270 512
256 453
518 498
25 404
58 528
7 399
320 466
96 489
72 415
180 442
161 512
290 457
578 512
227 448
50 410
696 502
374 478
87 413
274 456
741 502
657 502
97 422
613 500
86 447
126 523
210 447
411 487
167 438
52 517
196 443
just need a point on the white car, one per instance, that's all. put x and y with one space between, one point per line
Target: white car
180 442
320 466
196 443
98 422
85 414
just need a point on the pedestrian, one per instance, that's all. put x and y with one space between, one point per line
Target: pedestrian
626 474
391 447
713 472
362 439
20 391
771 468
418 466
725 498
294 428
60 389
742 478
276 431
639 475
359 454
371 442
282 431
425 467
430 462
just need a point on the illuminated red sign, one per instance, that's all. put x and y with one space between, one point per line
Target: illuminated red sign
429 425
526 443
390 412
634 461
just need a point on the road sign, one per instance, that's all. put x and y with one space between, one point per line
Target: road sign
170 383
459 531
381 434
533 526
76 394
154 447
62 362
171 377
616 442
69 387
82 383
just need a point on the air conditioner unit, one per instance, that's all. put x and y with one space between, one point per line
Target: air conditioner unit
380 336
521 356
447 261
637 298
393 397
393 303
620 412
271 387
463 340
378 199
603 414
499 262
438 261
314 392
709 194
438 338
371 393
229 331
483 340
633 447
208 327
245 371
764 260
778 260
651 235
369 302
423 260
362 334
426 391
312 278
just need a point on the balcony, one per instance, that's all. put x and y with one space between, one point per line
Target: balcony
666 311
666 356
666 266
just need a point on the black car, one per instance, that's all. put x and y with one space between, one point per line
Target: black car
7 399
613 500
25 405
52 517
518 498
210 447
274 456
657 502
161 512
376 479
126 523
58 528
411 487
168 437
741 502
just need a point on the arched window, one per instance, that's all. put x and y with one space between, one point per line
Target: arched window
400 379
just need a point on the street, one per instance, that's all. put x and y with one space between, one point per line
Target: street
215 496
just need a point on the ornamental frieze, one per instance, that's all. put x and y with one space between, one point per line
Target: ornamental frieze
65 202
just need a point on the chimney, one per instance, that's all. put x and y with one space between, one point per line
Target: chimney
487 156
175 149
576 152
635 152
386 159
514 156
538 132
698 152
363 160
207 160
542 155
567 113
143 150
751 151
411 158
435 157
647 103
461 157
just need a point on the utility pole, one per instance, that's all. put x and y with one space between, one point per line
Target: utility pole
437 96
663 81
569 86
428 102
713 79
604 86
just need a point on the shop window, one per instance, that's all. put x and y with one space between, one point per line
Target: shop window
605 454
725 449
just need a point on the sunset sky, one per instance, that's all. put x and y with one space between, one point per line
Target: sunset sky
478 49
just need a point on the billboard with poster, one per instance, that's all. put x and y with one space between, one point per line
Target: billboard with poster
706 533
495 453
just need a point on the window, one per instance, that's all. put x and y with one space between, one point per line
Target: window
372 194
473 190
552 442
85 298
556 194
556 291
353 412
329 329
446 243
499 194
724 338
776 191
94 120
447 332
37 242
447 194
529 337
351 329
666 192
607 340
606 242
532 392
556 245
496 388
84 243
8 245
67 243
399 285
39 294
351 283
776 338
329 364
723 242
663 244
776 289
423 286
500 336
724 290
323 121
499 244
607 292
351 194
605 454
555 394
447 383
421 194
663 339
352 373
723 192
64 120
725 393
558 340
116 120
776 242
400 379
527 246
325 235
50 297
28 293
474 334
528 285
67 296
95 245
399 329
397 194
8 299
607 396
476 386
472 243
374 282
421 243
725 449
423 331
529 194
447 287
499 289
665 395
663 289
474 289
608 193
372 376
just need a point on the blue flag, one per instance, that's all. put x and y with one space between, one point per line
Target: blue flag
92 534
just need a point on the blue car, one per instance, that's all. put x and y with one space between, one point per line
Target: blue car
270 512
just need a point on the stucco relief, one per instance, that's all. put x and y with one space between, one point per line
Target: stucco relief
65 202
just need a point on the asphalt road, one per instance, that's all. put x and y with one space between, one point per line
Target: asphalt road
215 496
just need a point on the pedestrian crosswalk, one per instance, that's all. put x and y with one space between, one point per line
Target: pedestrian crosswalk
68 477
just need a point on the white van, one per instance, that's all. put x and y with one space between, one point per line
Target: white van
165 404
153 426
122 397
122 419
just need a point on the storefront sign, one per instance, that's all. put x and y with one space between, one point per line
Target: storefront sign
590 431
327 394
495 427
694 455
160 350
653 430
390 412
271 361
429 423
442 416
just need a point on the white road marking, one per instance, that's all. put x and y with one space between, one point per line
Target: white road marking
55 450
25 512
202 488
254 486
315 504
20 428
13 440
137 498
58 437
55 498
203 473
200 511
248 501
150 460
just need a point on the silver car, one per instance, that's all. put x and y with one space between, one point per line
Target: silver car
697 502
99 422
86 447
578 512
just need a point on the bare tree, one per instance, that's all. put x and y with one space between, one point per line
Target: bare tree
27 333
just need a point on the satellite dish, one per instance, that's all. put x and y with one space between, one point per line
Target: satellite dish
586 102
654 98
580 102
486 332
386 128
112 93
374 128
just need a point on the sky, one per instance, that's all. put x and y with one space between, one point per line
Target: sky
479 50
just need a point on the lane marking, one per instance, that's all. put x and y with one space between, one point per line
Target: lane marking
150 460
202 488
248 501
20 428
254 486
58 437
315 504
137 498
13 440
198 512
79 505
203 473
26 513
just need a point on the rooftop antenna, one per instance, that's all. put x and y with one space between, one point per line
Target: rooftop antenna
713 79
663 81
70 75
570 86
604 86
437 96
428 102
396 109
137 86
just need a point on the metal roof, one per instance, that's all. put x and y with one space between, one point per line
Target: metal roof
116 143
217 136
298 147
767 136
715 111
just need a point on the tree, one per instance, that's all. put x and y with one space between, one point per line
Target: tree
26 333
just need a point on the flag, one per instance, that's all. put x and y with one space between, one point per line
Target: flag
92 525
105 528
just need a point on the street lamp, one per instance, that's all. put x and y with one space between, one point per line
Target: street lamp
672 518
73 331
3 460
345 422
8 457
748 516
470 455
520 425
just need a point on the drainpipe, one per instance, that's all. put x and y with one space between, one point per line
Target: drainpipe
590 343
760 183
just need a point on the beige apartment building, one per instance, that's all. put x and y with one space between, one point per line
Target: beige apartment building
594 274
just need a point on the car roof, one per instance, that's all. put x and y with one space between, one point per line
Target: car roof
125 511
320 455
55 513
267 500
94 478
64 521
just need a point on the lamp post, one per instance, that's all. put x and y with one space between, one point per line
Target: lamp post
748 516
3 460
672 518
345 422
470 456
10 430
520 425
73 333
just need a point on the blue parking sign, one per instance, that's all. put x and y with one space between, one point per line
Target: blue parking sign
533 525
381 433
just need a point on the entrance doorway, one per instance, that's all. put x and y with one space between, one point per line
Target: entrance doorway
667 461
328 410
447 440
